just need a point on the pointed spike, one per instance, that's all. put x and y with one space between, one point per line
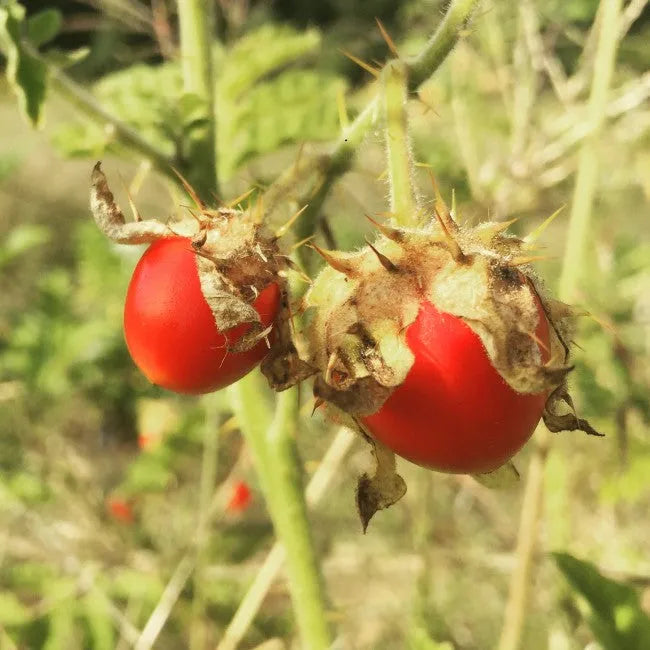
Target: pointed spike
282 230
235 202
189 189
134 209
533 236
490 229
452 245
318 402
440 206
423 165
336 261
454 209
366 66
386 36
527 259
258 210
383 175
394 234
344 120
302 242
383 260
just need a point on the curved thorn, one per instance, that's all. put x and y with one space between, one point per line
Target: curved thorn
383 260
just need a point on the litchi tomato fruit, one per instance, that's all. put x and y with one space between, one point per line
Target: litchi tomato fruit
240 497
454 412
120 509
170 330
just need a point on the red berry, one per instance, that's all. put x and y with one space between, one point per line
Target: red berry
170 330
240 497
454 412
120 509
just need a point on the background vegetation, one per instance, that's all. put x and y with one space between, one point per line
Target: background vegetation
105 480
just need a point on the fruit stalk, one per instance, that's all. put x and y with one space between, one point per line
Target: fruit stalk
403 202
196 21
583 197
273 446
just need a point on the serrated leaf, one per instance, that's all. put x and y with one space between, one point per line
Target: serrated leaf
27 75
616 619
44 26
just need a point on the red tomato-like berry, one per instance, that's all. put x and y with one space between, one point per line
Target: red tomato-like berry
240 497
454 412
120 509
170 329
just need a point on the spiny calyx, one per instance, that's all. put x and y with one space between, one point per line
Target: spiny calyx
236 259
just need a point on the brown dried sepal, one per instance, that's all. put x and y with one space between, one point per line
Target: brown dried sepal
380 488
559 414
236 259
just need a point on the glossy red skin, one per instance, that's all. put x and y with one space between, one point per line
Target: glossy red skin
454 412
170 330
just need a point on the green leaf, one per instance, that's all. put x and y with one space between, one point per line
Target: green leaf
27 75
616 617
44 26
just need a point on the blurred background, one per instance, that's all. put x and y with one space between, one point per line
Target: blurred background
100 473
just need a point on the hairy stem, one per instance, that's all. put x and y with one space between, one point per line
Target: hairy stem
584 192
403 202
196 21
335 163
273 445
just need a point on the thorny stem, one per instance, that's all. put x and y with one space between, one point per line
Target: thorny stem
334 164
583 196
273 446
196 23
422 66
403 201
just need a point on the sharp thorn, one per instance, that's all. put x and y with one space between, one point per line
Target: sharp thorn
440 206
282 230
394 234
190 190
344 120
383 260
362 64
318 402
235 202
302 242
336 261
452 245
527 259
533 236
386 36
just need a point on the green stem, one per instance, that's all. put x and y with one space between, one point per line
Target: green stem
273 446
403 202
584 192
587 175
196 21
334 164
198 631
83 101
422 66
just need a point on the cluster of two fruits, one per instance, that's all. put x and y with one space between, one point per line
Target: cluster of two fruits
436 341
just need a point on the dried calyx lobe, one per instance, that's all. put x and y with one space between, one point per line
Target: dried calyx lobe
362 303
236 258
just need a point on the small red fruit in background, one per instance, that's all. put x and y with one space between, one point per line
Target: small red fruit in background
120 509
240 498
170 330
454 412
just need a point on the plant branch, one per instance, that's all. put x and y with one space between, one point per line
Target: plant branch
403 201
334 164
273 446
316 490
196 21
84 101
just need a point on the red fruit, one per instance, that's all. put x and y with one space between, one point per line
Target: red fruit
454 412
240 497
170 330
120 509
